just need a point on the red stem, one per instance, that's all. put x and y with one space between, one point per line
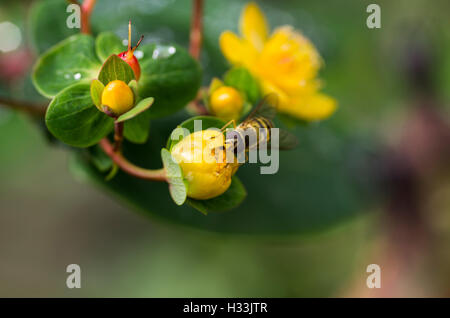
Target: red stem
128 167
86 10
196 35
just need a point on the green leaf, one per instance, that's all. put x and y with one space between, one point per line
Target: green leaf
48 24
241 79
189 124
137 129
246 109
73 118
134 87
71 61
115 68
177 186
97 88
234 196
170 75
142 106
108 43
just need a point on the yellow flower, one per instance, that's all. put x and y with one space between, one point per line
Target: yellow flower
285 62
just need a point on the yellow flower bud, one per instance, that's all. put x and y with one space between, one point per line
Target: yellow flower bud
226 103
118 96
203 162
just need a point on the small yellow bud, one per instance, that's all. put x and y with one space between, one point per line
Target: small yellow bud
118 96
203 162
226 103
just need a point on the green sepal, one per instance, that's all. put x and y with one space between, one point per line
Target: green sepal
241 79
142 106
133 84
115 68
137 129
97 88
177 186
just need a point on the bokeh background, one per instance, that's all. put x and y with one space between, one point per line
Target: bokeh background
369 185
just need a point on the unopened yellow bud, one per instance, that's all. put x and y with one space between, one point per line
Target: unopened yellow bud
118 96
226 103
202 159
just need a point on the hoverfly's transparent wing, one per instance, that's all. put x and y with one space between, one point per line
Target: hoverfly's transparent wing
267 107
288 141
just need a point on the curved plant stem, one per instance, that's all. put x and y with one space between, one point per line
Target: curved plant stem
196 34
128 167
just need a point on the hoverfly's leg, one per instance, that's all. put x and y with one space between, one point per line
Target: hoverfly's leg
227 124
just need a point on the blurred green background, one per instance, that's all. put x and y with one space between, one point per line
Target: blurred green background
329 186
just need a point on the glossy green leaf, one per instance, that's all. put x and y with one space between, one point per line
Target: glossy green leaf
115 68
170 75
141 106
73 118
137 129
177 186
71 61
48 23
97 88
108 43
231 199
241 79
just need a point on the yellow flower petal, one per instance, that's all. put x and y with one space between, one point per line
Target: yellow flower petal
236 50
232 47
253 26
269 87
289 54
313 107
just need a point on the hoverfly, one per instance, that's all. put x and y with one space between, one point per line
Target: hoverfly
255 130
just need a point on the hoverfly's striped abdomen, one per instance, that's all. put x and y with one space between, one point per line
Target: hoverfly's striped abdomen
249 134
